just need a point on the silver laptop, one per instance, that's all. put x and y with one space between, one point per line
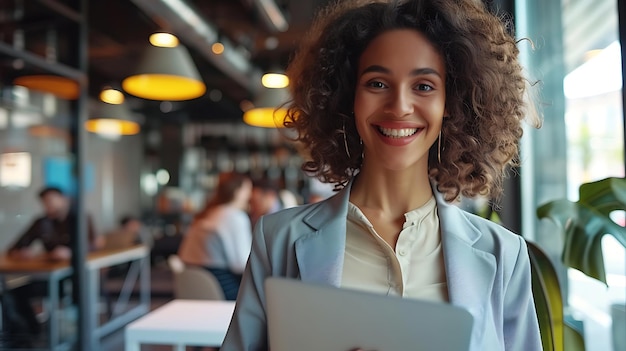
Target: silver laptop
307 317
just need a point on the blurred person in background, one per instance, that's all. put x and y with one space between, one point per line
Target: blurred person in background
220 236
265 199
130 232
53 230
288 198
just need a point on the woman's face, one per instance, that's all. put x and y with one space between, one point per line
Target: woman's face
400 99
242 195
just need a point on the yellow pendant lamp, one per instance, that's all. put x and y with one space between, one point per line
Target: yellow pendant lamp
167 74
268 111
112 120
61 87
269 107
111 96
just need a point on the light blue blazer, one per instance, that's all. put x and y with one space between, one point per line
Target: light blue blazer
487 268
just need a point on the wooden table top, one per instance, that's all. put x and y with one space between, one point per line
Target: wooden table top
35 264
44 264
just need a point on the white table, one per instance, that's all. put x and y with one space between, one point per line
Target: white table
138 273
181 323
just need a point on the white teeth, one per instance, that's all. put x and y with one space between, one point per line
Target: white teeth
397 133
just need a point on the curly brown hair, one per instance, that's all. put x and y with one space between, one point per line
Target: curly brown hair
485 90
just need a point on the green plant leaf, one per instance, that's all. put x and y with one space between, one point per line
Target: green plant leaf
548 299
605 196
573 338
586 221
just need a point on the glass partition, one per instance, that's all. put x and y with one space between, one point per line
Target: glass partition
574 56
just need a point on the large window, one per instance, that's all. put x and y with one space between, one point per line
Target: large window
576 60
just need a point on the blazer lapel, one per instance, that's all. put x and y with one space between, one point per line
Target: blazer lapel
470 274
470 271
320 253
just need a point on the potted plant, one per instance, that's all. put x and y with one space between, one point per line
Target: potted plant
583 224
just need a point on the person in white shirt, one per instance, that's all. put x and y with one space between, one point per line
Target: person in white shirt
219 238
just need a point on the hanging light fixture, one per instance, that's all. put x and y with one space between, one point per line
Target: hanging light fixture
49 131
275 80
165 73
61 87
269 110
112 121
164 40
111 96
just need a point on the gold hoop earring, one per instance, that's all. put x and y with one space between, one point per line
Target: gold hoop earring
345 139
362 150
439 148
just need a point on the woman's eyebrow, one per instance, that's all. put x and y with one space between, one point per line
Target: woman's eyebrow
425 71
415 72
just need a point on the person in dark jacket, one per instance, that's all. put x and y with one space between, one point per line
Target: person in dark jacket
54 231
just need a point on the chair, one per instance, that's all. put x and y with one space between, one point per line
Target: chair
194 283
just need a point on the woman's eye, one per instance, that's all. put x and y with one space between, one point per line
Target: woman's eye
424 87
376 84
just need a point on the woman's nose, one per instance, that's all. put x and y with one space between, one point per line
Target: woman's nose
400 103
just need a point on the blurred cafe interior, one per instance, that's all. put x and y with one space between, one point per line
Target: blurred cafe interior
80 112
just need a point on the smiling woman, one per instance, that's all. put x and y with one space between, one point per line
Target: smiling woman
404 106
482 84
399 101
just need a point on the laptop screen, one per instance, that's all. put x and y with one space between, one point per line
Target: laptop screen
310 317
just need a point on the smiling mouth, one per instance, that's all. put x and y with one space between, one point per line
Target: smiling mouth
397 133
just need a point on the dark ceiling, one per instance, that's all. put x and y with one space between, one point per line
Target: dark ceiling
118 30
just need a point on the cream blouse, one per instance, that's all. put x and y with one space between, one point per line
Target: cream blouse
413 269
